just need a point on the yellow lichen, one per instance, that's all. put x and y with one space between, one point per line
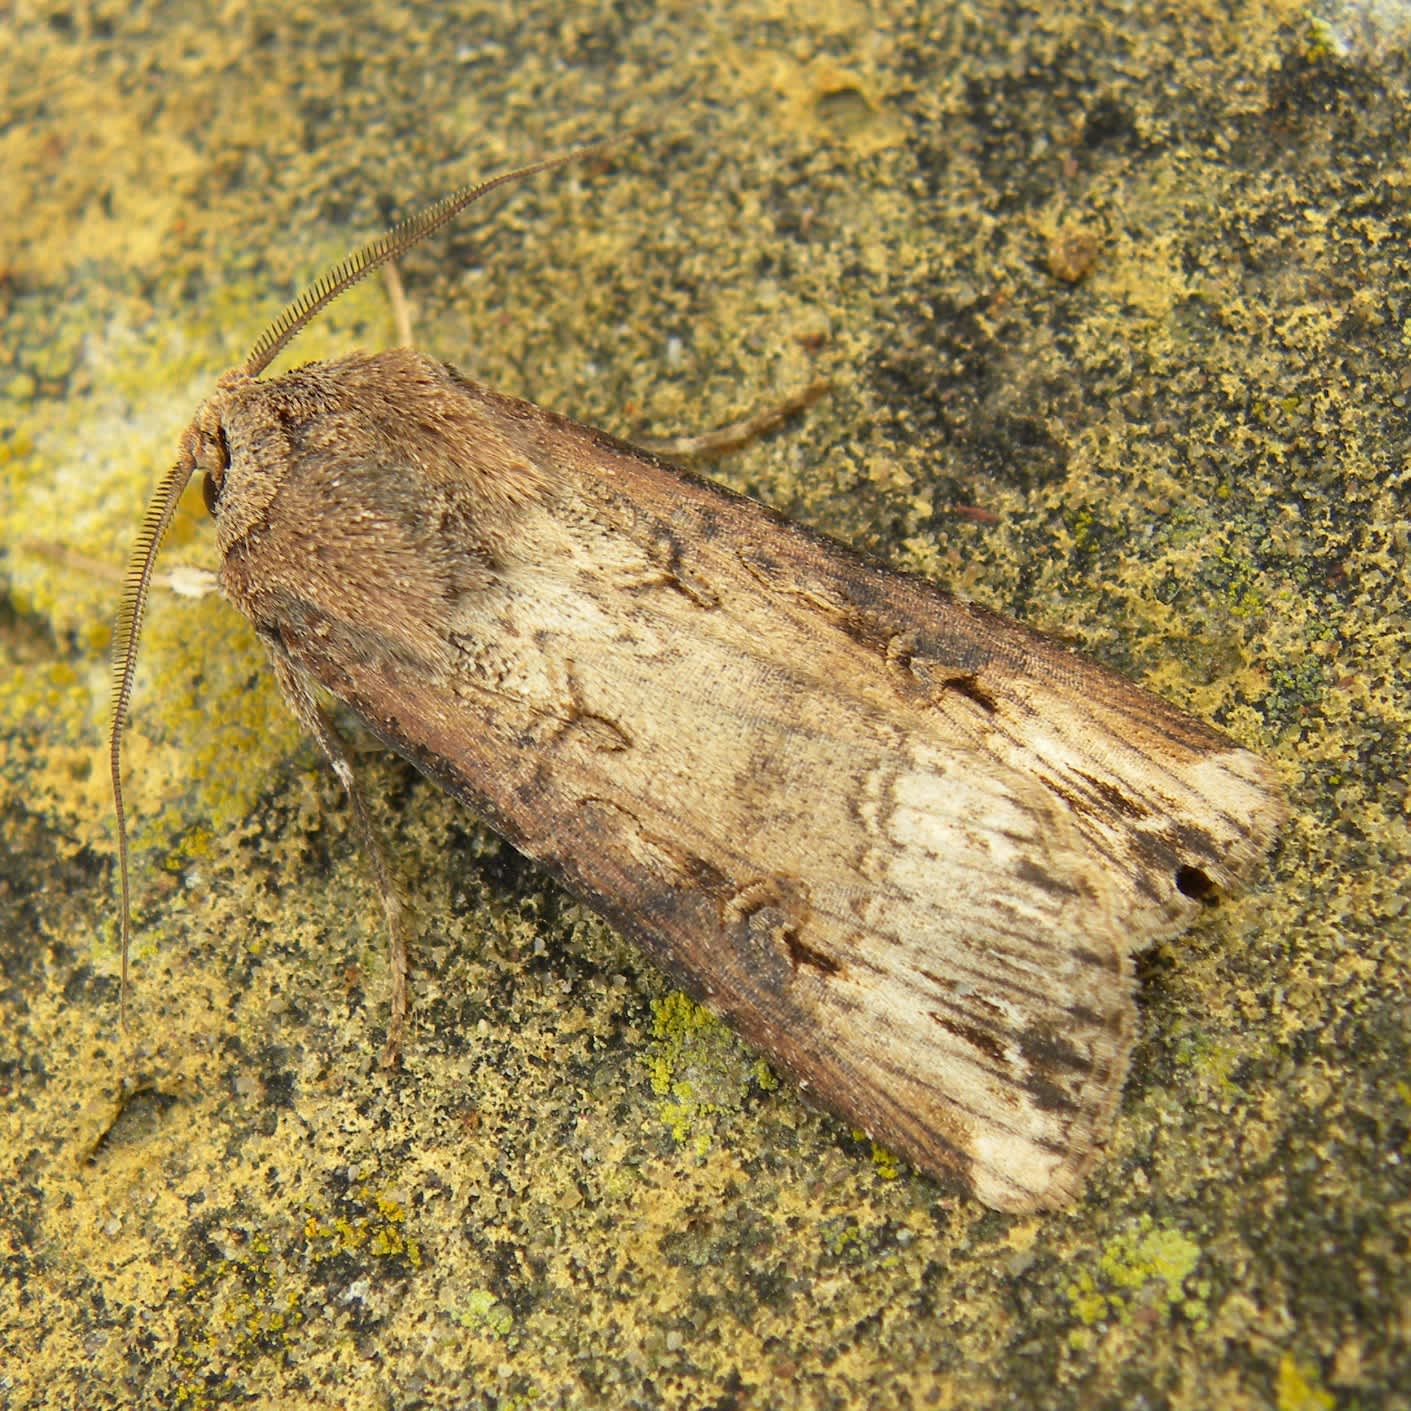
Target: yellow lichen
1298 1388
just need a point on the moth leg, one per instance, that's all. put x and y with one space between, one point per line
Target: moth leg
301 700
735 434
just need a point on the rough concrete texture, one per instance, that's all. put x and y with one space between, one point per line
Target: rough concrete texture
1114 308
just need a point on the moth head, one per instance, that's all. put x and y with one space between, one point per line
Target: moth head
236 430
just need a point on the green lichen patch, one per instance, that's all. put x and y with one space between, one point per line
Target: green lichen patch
239 1311
698 1068
481 1312
1147 1267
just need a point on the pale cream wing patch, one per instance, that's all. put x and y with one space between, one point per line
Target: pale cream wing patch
911 928
984 1011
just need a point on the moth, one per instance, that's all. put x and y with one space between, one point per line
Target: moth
906 847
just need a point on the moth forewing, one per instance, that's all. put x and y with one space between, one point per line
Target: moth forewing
905 846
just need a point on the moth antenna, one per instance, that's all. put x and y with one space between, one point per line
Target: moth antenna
126 632
395 242
137 582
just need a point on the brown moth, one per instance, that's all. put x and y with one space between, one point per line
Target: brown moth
906 847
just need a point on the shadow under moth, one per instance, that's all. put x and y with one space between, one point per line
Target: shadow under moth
906 847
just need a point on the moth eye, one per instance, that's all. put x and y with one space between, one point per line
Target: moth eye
210 491
213 481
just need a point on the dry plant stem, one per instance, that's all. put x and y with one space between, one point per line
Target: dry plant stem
735 434
185 580
401 309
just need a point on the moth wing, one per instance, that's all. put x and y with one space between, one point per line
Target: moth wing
904 846
910 929
913 932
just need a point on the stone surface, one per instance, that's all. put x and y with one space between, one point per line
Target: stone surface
1112 306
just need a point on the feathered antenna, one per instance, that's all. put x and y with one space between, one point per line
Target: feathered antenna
396 242
162 506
